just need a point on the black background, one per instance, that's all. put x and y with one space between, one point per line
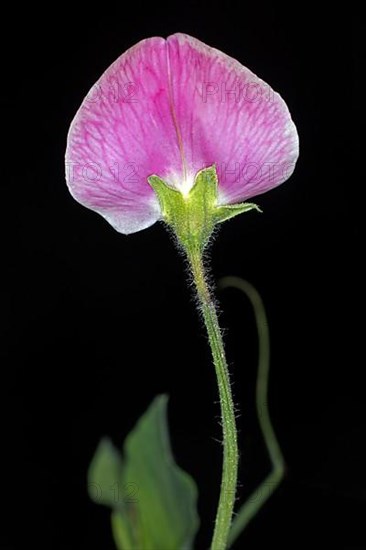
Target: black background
96 323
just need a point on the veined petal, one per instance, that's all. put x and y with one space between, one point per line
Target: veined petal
171 108
229 117
123 133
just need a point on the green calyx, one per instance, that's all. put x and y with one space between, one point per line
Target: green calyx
193 216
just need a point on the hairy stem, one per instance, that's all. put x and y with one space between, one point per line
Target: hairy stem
230 458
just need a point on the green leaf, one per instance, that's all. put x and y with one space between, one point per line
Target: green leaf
156 503
104 481
105 473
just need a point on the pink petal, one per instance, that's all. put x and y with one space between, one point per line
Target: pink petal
123 133
229 117
165 108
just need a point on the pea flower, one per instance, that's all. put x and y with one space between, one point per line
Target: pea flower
172 108
178 131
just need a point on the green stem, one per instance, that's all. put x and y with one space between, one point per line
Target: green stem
122 536
260 495
230 459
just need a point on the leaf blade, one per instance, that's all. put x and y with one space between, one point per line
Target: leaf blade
168 521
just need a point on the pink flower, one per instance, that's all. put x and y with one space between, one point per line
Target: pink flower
171 108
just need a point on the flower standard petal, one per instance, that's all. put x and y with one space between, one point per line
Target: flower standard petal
171 108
